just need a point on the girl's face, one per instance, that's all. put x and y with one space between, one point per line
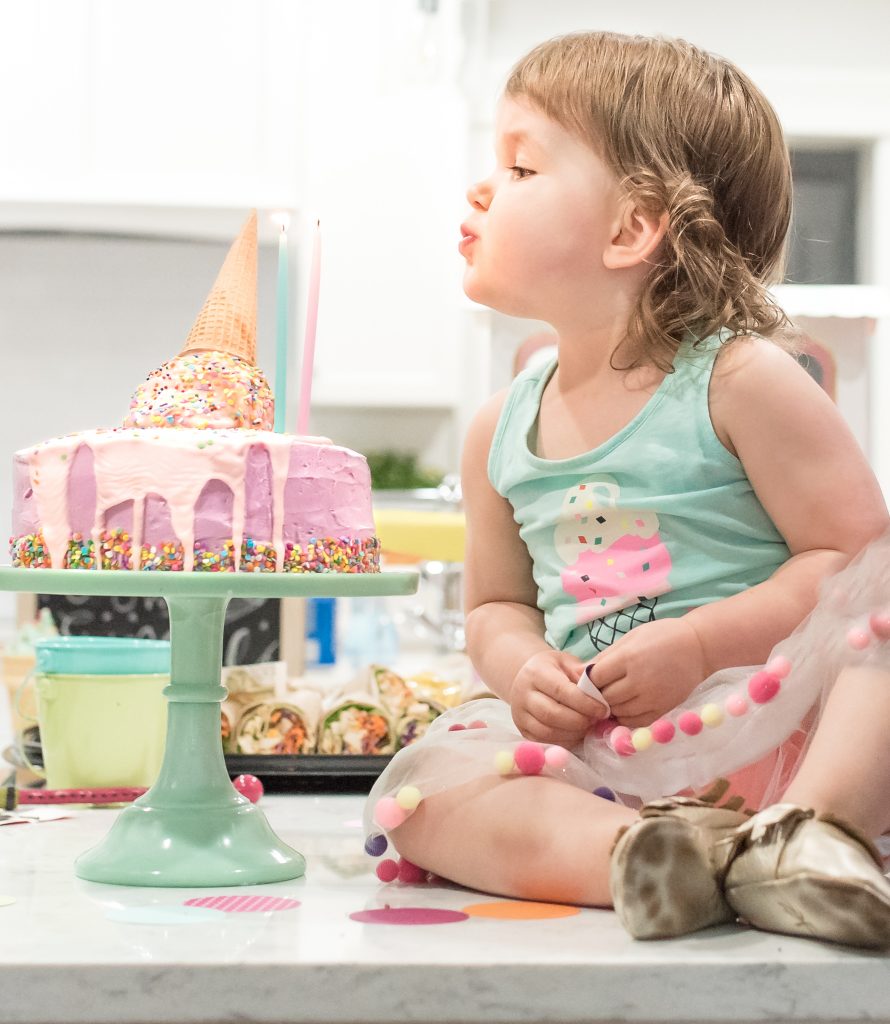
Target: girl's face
540 221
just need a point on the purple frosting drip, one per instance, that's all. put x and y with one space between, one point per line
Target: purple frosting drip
157 528
258 488
213 515
82 492
120 517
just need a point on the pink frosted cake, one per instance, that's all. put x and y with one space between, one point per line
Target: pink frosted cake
196 479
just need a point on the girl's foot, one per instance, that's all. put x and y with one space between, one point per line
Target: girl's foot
667 868
794 872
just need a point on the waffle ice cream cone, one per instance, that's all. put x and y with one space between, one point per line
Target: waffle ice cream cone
227 321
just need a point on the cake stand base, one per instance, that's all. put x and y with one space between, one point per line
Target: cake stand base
210 846
192 828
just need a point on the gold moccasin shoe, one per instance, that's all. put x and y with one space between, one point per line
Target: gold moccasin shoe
799 873
666 869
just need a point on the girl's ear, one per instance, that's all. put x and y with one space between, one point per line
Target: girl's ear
636 236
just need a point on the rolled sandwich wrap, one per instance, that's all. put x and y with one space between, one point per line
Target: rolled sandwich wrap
391 689
357 725
415 721
280 726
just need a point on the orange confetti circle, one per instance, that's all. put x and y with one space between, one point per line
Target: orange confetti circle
520 910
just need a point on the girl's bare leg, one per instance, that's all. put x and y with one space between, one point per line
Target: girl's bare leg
846 770
528 838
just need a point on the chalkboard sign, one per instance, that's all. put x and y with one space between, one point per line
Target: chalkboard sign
252 631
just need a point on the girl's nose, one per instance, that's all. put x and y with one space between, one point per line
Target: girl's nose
479 195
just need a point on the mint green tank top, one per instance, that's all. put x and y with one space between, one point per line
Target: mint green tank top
657 520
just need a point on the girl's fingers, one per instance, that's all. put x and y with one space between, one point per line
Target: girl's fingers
608 667
564 690
554 715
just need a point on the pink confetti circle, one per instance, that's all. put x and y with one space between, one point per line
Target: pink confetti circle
762 687
662 730
478 725
247 904
690 723
457 727
408 915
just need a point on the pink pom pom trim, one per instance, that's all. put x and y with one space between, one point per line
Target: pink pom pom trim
387 870
388 814
690 723
556 757
762 687
529 758
662 730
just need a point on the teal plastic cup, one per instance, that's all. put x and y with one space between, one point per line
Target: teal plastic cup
101 710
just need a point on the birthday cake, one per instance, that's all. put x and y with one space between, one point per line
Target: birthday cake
195 478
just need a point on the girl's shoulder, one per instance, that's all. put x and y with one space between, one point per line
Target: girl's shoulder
754 377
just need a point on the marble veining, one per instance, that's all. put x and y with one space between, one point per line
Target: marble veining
65 960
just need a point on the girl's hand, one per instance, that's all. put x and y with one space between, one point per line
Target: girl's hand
650 670
546 703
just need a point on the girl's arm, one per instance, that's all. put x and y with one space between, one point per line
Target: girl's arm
812 479
503 622
505 628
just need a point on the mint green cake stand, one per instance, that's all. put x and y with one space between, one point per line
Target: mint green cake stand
192 828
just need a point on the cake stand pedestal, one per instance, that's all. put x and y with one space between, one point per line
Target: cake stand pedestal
192 828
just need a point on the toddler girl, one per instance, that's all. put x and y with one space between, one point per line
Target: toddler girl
658 505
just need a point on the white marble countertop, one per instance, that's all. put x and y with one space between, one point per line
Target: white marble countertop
69 954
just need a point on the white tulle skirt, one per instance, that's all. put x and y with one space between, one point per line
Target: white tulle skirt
748 726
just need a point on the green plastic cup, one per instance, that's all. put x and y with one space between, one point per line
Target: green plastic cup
101 710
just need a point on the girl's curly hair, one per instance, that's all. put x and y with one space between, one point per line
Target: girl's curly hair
688 133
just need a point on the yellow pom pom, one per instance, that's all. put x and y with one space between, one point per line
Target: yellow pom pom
503 761
641 739
408 797
711 715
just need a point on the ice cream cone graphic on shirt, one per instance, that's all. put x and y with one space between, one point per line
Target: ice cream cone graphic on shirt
615 555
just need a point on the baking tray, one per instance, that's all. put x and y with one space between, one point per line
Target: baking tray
284 773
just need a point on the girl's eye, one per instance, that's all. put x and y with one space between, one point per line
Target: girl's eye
521 172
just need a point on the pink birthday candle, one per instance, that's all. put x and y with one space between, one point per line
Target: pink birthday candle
309 337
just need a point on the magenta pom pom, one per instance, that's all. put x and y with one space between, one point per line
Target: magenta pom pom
477 725
858 638
529 758
410 873
556 757
690 723
662 730
779 667
736 705
249 786
762 687
879 624
387 870
388 814
457 727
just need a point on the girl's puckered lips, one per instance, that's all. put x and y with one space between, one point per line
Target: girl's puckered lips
467 239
